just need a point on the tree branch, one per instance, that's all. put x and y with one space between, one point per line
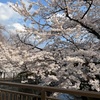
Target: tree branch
89 29
29 44
90 4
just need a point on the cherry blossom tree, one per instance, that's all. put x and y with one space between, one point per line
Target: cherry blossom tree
62 16
2 38
71 32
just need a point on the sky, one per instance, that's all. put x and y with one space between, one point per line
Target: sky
9 18
4 1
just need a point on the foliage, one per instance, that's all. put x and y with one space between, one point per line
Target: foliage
67 18
71 56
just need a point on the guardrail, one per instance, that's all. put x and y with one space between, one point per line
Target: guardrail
38 92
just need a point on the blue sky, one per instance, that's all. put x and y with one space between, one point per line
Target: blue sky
9 18
4 1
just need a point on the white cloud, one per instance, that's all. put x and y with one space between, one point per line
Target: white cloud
6 12
3 17
18 26
9 18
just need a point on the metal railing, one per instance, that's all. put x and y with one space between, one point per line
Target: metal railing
7 94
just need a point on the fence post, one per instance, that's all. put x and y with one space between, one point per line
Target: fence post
43 94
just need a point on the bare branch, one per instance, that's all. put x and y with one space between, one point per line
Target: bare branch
90 4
